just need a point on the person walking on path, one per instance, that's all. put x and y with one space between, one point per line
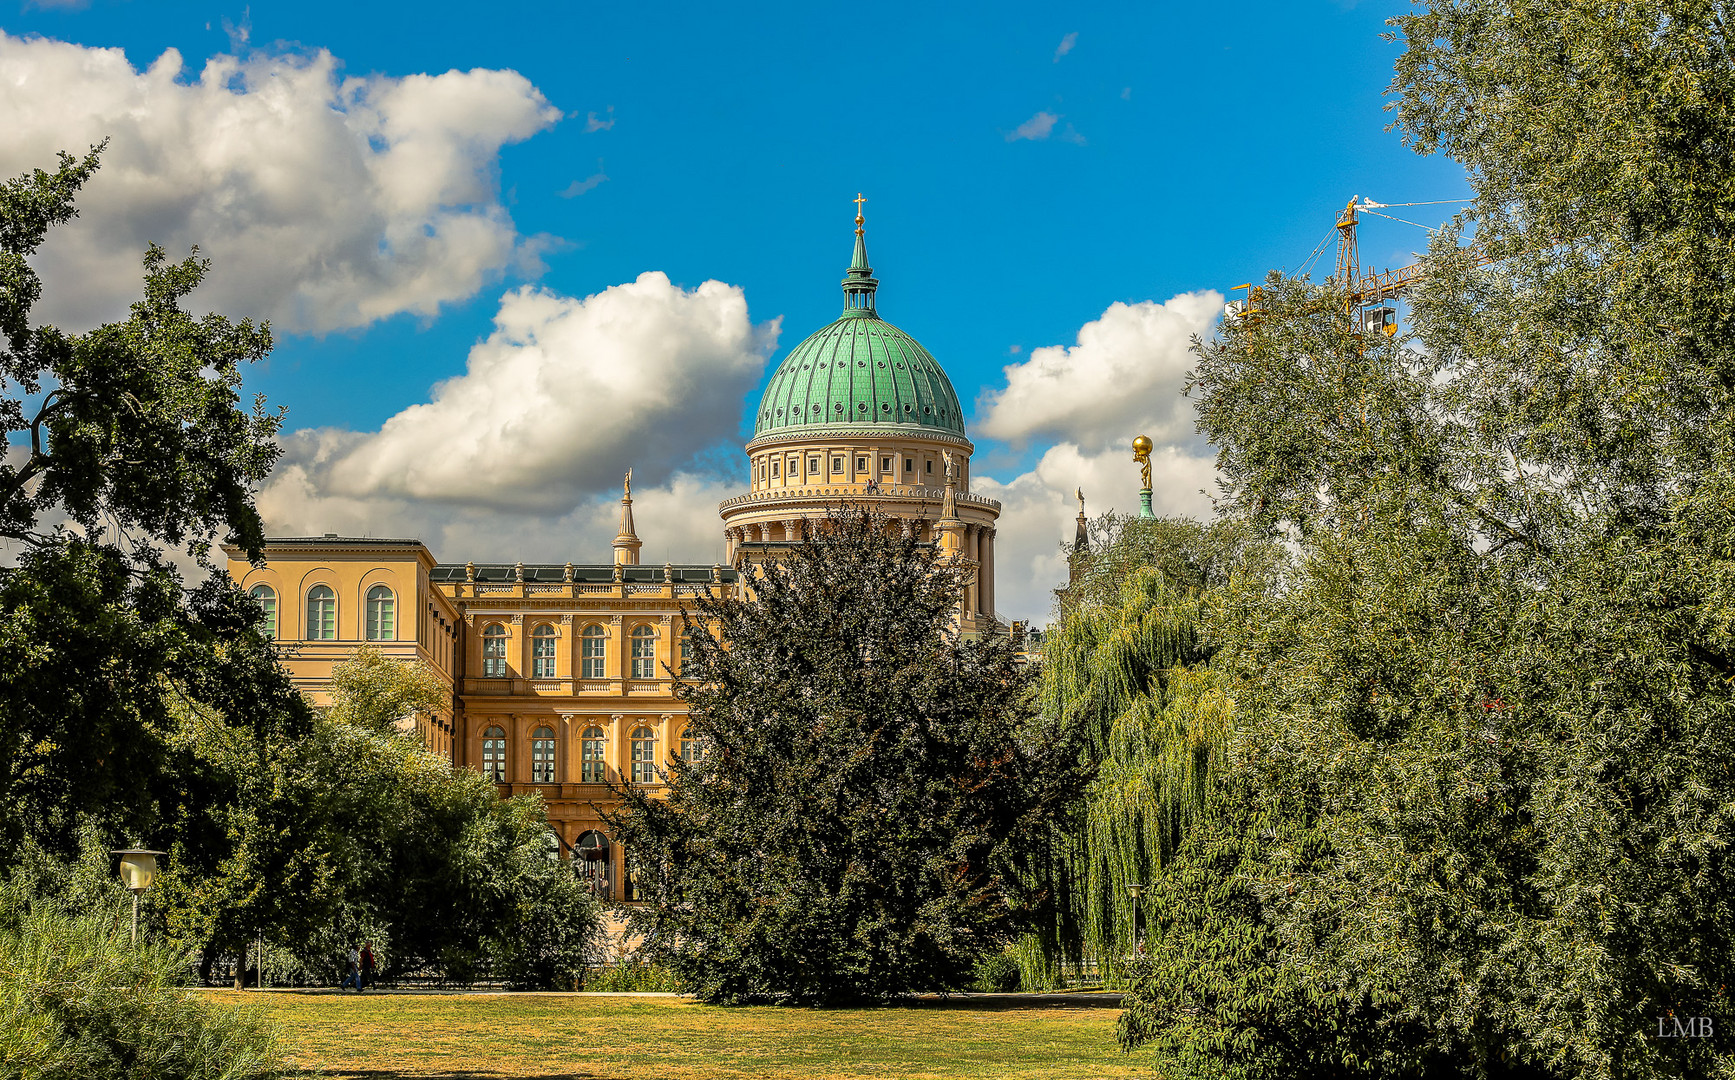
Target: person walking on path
367 967
354 976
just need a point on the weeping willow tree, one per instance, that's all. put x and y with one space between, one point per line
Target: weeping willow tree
1129 669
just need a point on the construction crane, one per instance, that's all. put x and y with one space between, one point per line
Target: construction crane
1365 301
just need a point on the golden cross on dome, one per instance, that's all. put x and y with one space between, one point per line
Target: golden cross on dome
858 200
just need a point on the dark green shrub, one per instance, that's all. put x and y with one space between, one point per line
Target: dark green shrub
998 973
626 976
79 1002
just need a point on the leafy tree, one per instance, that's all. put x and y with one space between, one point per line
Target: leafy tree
872 791
374 691
1494 703
356 831
135 440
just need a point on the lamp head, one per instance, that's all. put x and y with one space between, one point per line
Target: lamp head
138 868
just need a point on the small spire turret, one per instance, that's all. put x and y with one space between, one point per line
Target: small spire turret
627 542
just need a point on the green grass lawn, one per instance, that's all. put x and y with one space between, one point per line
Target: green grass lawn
387 1037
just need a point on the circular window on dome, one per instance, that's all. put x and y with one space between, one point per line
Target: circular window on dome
804 367
900 365
779 412
861 363
816 406
927 410
909 408
822 367
882 364
861 406
840 406
885 406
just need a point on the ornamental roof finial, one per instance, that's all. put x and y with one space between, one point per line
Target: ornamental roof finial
858 281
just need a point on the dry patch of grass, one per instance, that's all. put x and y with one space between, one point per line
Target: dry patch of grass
397 1037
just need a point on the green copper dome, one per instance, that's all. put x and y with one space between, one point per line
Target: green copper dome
859 372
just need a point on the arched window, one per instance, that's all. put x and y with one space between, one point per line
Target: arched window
381 614
692 751
644 756
593 768
266 597
494 754
594 656
321 614
542 652
686 648
644 652
494 652
551 845
591 861
542 756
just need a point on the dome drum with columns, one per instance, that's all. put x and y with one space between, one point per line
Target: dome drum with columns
860 412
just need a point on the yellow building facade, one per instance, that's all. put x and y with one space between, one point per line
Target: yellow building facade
563 676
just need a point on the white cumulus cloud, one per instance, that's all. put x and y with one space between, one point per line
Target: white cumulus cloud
1035 128
325 201
1122 378
554 406
1124 373
675 517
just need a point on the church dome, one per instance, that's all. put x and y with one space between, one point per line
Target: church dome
860 372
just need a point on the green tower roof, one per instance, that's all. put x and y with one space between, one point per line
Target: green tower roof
860 372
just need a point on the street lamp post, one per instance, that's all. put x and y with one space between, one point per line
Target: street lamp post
138 872
1137 891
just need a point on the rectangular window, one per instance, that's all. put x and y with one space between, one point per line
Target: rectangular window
909 465
644 760
861 464
594 769
644 657
813 466
774 472
885 464
494 657
930 466
542 758
837 465
595 652
542 657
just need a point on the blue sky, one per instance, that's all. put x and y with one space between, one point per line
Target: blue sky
1177 150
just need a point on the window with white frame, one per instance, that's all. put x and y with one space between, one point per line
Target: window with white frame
593 647
494 754
644 652
381 614
692 752
266 597
542 756
542 652
494 652
321 614
593 748
644 756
